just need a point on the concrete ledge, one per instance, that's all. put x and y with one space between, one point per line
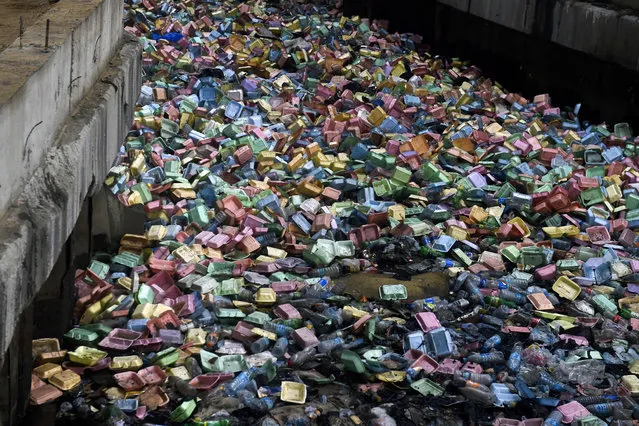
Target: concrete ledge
609 33
40 88
516 14
37 225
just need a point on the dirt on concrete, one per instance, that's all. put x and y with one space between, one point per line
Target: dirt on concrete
12 10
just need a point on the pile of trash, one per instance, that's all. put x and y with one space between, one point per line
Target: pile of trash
343 230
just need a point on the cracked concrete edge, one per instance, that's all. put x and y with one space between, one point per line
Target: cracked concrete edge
40 88
609 34
38 224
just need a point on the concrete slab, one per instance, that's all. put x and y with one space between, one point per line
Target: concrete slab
40 88
39 221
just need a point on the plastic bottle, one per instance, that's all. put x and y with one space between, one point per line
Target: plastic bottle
517 283
280 329
213 336
280 347
591 400
476 296
493 284
512 296
326 346
260 345
240 381
484 379
459 304
604 410
299 358
459 381
270 238
353 343
218 220
491 342
493 357
331 271
447 263
478 395
546 379
261 405
514 360
491 320
554 418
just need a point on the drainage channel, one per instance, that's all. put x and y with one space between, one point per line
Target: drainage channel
304 157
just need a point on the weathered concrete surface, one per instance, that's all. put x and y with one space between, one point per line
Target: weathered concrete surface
608 33
39 89
46 206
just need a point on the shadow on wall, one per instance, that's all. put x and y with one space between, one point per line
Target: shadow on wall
520 62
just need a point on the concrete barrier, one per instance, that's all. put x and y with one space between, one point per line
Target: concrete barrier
63 116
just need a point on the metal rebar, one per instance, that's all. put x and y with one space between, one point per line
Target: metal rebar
46 37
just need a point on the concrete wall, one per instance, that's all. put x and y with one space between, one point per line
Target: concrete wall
39 89
63 116
608 33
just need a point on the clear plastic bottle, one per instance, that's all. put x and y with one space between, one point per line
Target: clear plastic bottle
554 418
512 296
491 320
260 345
299 358
491 342
459 381
447 263
546 379
240 381
213 336
261 405
517 283
583 372
280 329
493 357
459 304
280 347
484 379
604 410
326 346
478 395
476 296
514 360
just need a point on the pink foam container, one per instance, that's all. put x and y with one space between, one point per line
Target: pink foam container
425 363
287 311
164 287
129 381
152 344
207 381
427 321
571 411
152 375
472 368
449 366
305 338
